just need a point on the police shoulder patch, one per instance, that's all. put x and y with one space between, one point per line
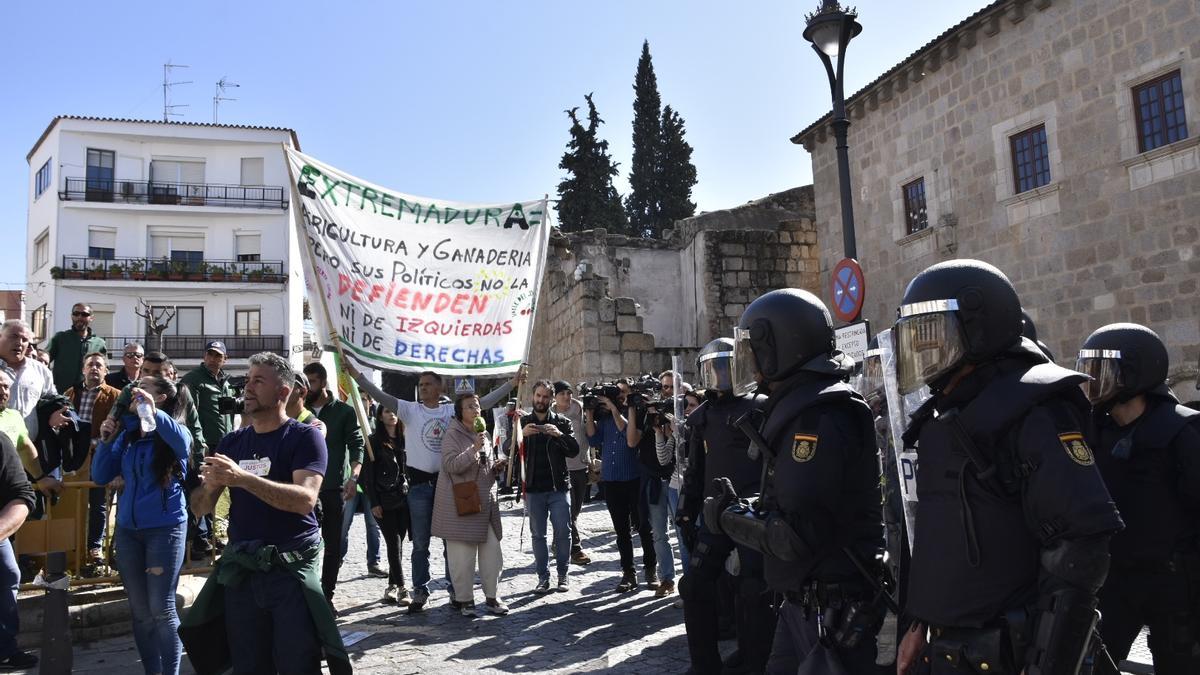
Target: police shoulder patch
804 447
1077 448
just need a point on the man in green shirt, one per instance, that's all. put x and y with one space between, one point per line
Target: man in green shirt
344 440
68 347
208 383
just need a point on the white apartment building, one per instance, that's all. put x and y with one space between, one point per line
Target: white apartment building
193 219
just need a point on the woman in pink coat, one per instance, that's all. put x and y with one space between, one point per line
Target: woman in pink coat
466 457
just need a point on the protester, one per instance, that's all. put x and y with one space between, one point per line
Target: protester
425 424
549 441
67 348
577 467
151 516
16 502
262 609
131 366
344 452
208 383
466 459
387 488
93 400
606 428
295 408
31 380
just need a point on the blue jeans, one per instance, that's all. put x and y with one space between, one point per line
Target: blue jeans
420 509
97 517
360 501
269 625
149 562
558 506
658 526
685 557
10 581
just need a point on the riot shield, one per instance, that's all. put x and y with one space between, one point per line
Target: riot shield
898 410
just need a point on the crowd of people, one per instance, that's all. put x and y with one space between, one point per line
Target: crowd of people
1056 508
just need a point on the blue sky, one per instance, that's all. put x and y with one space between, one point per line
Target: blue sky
455 100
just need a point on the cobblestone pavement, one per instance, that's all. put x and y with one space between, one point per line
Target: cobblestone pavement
589 629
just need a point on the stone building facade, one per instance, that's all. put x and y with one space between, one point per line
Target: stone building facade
1092 227
615 306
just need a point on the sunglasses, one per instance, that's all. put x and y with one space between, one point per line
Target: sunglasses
81 313
134 355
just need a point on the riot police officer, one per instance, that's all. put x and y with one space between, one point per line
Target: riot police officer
1148 451
817 522
718 449
1013 519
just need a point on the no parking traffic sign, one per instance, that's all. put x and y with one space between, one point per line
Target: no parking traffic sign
848 289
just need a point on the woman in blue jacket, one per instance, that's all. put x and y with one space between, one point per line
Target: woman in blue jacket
151 515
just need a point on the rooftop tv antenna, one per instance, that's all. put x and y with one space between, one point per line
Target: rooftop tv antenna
222 85
168 107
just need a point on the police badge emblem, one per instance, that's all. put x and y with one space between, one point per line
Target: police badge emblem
1076 448
804 447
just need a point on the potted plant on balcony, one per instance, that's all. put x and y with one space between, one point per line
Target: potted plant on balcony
116 272
57 273
74 272
137 270
255 275
196 271
216 272
177 271
156 270
97 271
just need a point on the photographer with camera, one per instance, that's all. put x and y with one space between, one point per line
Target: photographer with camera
646 417
549 441
620 471
577 467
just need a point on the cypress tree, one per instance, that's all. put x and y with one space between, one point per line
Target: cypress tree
642 203
586 197
677 174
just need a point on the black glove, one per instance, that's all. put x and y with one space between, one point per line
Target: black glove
715 506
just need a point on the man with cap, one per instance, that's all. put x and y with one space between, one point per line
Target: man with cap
1148 451
577 466
208 383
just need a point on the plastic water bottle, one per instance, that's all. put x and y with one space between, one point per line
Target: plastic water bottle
145 413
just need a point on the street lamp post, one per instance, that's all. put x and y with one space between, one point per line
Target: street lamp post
830 30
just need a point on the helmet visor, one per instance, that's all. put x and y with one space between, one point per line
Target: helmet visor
716 371
1104 367
928 345
744 370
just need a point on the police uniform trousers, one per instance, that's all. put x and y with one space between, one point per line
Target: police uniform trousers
753 615
1161 599
797 649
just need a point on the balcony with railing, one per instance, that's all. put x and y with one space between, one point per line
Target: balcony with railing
165 269
175 194
192 346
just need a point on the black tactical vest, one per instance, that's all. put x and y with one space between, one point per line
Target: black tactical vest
725 446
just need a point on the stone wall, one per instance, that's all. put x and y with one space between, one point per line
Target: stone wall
1113 237
616 306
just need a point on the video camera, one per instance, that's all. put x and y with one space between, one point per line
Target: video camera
646 399
590 393
236 404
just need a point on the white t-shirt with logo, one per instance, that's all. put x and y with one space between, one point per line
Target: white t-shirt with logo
424 427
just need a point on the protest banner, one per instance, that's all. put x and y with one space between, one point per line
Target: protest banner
412 283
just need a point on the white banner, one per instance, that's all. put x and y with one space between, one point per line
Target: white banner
417 284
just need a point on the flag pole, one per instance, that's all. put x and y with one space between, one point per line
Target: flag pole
319 290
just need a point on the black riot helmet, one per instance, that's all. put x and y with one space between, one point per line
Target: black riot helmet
1123 360
780 334
715 365
953 313
1029 330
